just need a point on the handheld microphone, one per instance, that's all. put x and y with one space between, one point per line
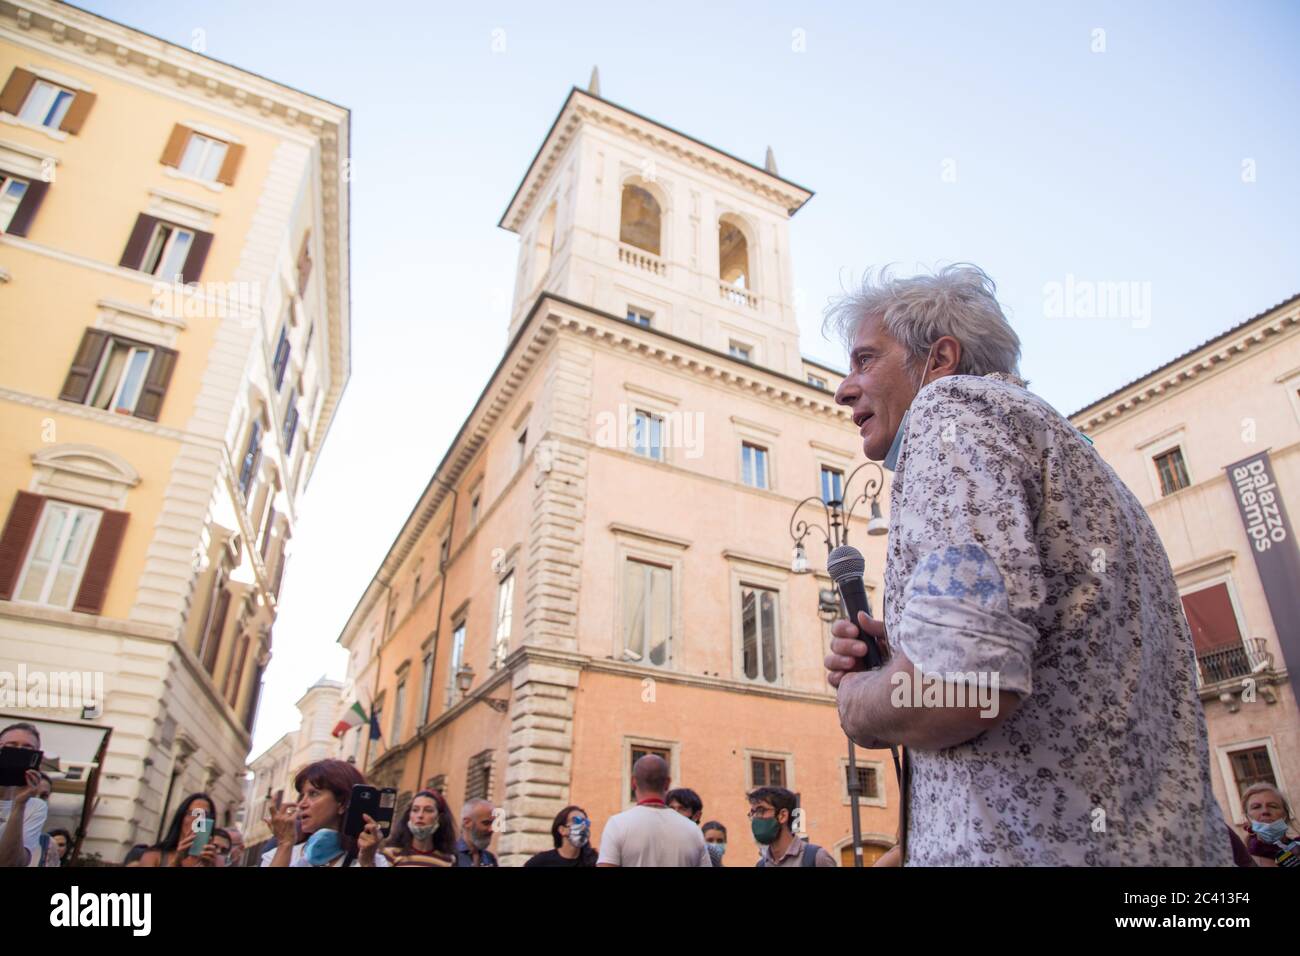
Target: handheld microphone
846 565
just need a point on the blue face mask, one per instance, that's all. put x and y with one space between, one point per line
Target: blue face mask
322 846
716 850
1269 832
891 457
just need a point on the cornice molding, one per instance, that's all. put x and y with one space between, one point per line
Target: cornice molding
1209 359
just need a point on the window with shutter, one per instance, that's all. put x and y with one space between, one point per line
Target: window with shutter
216 627
119 375
46 104
281 361
478 777
203 157
290 428
230 690
19 527
1172 471
252 457
166 250
19 199
59 555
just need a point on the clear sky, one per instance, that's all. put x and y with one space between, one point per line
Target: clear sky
1164 152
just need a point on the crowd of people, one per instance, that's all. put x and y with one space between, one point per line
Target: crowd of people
663 828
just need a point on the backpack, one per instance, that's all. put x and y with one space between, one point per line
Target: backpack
809 856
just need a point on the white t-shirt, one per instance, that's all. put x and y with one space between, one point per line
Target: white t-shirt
34 816
652 835
293 855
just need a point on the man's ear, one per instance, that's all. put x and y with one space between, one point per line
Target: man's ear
947 357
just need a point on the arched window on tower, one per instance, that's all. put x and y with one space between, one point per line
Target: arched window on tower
733 254
641 219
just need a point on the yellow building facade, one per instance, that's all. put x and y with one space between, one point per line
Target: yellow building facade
175 340
600 567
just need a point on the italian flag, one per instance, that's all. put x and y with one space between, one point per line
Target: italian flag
354 716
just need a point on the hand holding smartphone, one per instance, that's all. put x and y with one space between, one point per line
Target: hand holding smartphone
367 800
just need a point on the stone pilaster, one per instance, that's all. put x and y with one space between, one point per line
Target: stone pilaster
553 558
544 686
539 762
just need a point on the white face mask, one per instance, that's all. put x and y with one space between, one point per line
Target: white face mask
423 833
578 836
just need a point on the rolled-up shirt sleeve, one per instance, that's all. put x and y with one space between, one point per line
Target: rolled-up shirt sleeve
967 511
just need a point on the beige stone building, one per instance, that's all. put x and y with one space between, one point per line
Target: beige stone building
174 286
600 566
1171 436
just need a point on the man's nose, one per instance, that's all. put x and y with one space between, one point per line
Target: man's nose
847 393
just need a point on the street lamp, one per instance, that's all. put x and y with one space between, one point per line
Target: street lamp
836 532
465 677
838 513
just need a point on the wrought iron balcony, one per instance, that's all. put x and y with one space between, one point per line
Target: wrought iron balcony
1229 662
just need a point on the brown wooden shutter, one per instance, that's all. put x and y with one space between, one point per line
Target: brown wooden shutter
236 672
133 256
99 566
230 165
16 89
193 267
304 262
91 350
175 147
16 538
155 385
216 628
31 201
76 114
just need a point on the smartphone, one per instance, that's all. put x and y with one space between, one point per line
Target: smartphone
14 764
373 802
203 826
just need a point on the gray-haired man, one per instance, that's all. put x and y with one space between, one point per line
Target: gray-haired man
475 834
1041 673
